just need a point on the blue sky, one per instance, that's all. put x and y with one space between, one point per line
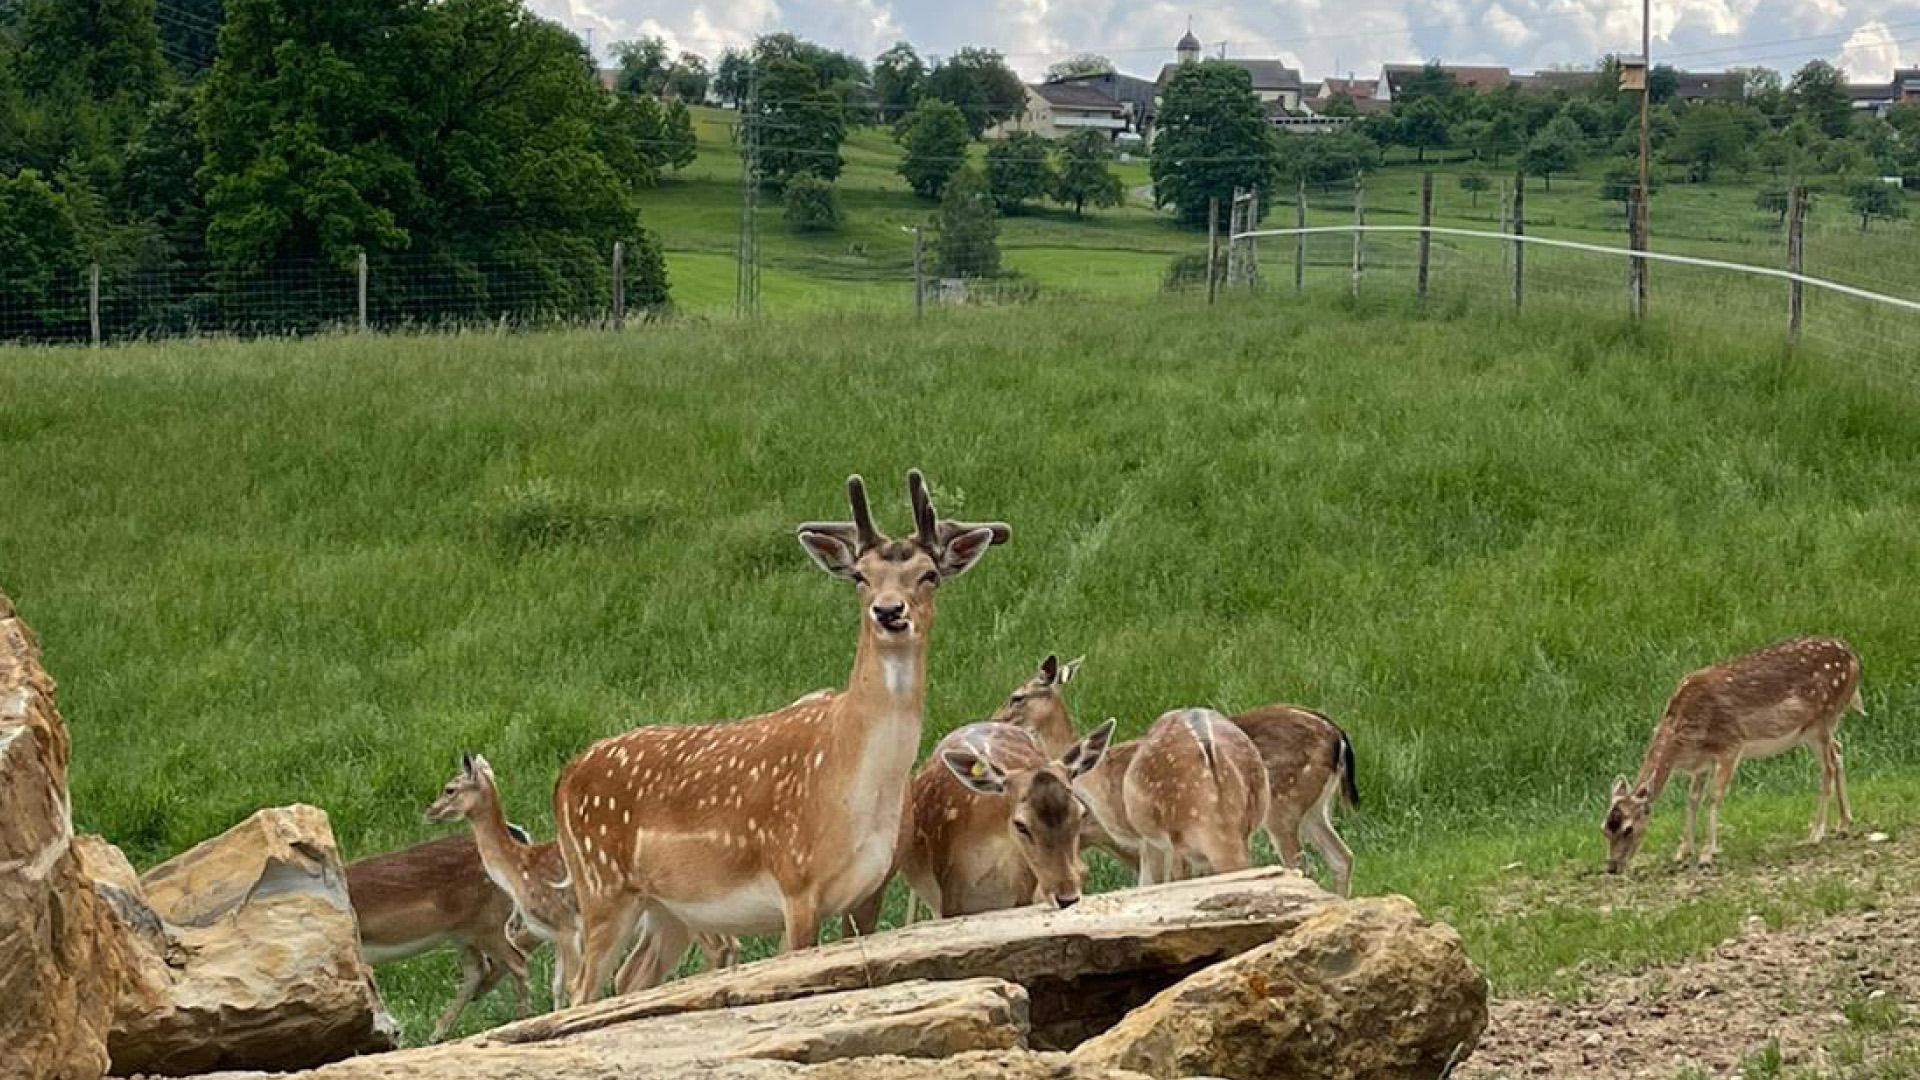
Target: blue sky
1322 36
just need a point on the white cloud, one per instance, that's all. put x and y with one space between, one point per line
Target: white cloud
1870 53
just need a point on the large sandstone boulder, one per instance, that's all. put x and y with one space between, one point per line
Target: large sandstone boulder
59 968
1365 989
247 955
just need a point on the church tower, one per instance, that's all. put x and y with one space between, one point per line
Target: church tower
1188 51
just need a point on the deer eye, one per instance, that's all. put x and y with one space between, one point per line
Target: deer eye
859 578
930 578
1021 828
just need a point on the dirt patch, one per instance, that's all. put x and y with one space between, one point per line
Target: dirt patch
1834 995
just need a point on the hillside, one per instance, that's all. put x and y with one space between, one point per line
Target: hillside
318 571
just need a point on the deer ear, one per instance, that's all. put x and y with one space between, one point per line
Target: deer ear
963 550
1050 668
1619 787
974 772
1084 756
830 553
1071 668
478 765
466 762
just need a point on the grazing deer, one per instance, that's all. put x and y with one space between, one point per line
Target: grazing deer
1038 707
1194 794
409 902
782 820
995 823
1788 694
1309 764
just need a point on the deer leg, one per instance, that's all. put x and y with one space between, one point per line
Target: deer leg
473 969
514 963
1696 790
864 917
1285 831
1331 848
663 944
1722 779
803 923
605 926
1225 852
720 950
1840 785
1817 831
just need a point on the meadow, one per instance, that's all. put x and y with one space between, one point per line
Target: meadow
1489 544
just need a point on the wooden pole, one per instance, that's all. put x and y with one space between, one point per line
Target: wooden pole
93 302
1796 256
919 273
1359 233
619 284
1213 243
361 291
1519 229
1426 238
1233 238
1300 239
1640 205
1252 270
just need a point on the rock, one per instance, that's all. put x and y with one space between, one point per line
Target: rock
908 1020
1359 989
1878 838
59 964
981 1066
1082 968
246 953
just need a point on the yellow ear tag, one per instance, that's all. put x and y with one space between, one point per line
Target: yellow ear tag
979 771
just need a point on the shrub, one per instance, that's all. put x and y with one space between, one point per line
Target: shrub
813 205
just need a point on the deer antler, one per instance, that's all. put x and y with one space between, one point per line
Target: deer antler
924 523
865 535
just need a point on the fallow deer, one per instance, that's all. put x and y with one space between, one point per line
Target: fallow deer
1792 693
779 821
1309 764
416 900
1194 794
1038 706
995 823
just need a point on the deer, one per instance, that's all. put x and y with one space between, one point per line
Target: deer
996 823
412 901
1310 766
776 822
1195 792
1791 693
1037 706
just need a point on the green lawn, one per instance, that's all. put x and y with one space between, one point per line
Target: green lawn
317 571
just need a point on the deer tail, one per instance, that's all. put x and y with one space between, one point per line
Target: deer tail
1343 762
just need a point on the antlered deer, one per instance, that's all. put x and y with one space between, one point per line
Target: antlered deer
1195 792
412 901
782 820
1788 694
1309 764
995 823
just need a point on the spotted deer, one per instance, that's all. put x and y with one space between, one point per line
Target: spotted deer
1194 793
996 823
1038 707
1792 693
1309 763
777 822
1103 791
419 899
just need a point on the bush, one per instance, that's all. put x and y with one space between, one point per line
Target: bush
1185 272
813 205
969 226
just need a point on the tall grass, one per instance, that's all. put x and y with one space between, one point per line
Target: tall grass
317 571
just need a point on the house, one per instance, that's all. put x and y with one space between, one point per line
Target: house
1131 91
1554 82
1696 86
1394 78
1878 98
1056 110
1273 81
1359 91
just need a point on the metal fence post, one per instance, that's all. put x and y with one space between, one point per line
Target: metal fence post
93 302
1796 256
1213 243
361 291
1519 230
1426 237
619 284
1300 239
1360 230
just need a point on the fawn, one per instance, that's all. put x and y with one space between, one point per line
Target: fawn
1194 793
1309 763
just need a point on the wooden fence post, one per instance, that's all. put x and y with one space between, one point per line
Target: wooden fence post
1426 237
93 302
1519 230
1300 239
360 291
1252 256
1233 238
1633 244
1506 225
1359 232
619 284
919 273
1213 243
1796 256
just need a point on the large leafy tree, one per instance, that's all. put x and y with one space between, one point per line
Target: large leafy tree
1555 148
1713 136
934 138
1078 65
1019 170
899 77
732 76
190 34
980 84
800 124
1872 198
108 49
966 243
1084 177
39 251
689 78
1819 91
644 65
1213 137
1424 126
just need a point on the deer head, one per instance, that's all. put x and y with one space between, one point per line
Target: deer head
896 579
1038 708
1046 814
465 793
1626 824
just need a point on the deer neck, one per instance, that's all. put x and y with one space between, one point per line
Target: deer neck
498 848
1657 767
884 706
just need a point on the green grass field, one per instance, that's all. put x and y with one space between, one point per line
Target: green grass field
317 571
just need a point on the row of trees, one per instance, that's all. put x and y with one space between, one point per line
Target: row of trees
466 140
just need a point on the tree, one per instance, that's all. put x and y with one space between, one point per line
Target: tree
732 77
1772 152
1663 82
689 79
190 35
967 228
1622 180
981 85
1084 177
1341 104
1775 201
934 136
1555 149
813 206
1432 81
1761 88
1019 169
1082 64
1212 137
644 65
1905 119
1873 198
899 76
39 251
1712 136
1819 92
1332 158
107 49
1423 126
1474 183
679 146
799 125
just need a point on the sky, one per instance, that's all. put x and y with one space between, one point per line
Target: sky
1321 37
